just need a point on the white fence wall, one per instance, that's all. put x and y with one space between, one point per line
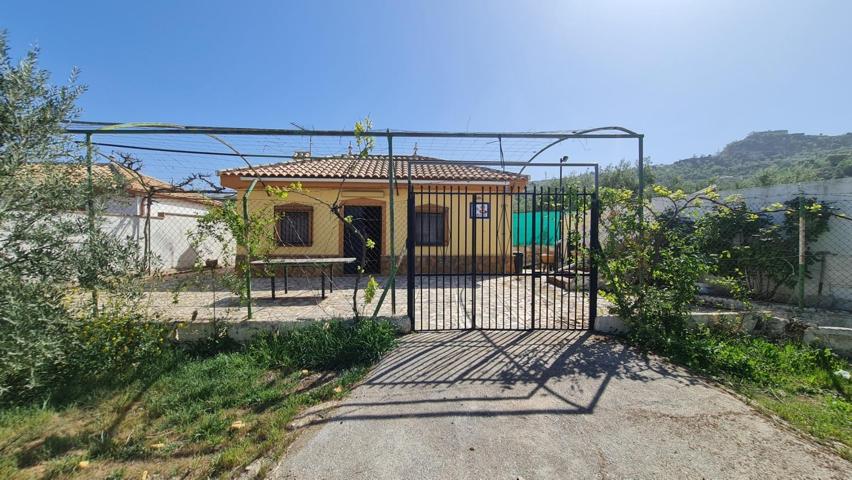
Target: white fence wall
172 222
830 282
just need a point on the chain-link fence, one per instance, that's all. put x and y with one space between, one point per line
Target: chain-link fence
830 282
277 226
238 224
790 244
820 270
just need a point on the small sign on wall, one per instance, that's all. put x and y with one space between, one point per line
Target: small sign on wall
480 210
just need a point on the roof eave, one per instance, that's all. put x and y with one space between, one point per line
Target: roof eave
419 181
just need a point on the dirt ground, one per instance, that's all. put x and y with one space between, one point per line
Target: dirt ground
543 404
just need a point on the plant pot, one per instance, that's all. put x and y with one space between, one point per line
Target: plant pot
518 260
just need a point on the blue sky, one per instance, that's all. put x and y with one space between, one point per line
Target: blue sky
691 75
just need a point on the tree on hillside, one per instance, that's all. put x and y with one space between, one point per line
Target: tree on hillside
763 159
622 176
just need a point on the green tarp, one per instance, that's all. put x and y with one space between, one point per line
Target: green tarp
546 228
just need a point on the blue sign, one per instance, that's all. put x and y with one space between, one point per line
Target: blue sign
480 210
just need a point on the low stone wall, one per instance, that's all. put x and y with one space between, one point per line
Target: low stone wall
812 316
244 331
838 339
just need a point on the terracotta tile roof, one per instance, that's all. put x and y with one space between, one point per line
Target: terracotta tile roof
134 184
374 167
113 176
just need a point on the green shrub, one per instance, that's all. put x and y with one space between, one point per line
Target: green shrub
43 258
745 359
752 248
119 343
651 271
650 268
327 346
110 349
34 333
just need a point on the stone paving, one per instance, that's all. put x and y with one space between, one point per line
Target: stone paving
500 302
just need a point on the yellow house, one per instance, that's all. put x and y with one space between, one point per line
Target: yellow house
445 196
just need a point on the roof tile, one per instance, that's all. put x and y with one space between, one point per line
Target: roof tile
375 167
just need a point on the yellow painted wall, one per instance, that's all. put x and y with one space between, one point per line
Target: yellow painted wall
493 235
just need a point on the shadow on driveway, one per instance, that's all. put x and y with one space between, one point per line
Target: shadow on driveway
541 404
473 365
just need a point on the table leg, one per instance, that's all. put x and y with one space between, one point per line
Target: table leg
322 276
285 279
331 278
272 280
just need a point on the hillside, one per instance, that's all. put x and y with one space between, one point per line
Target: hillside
763 158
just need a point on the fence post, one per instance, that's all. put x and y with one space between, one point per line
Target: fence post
534 261
391 182
90 210
641 199
409 252
595 254
802 248
248 249
473 252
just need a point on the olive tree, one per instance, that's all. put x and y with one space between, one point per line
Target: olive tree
48 246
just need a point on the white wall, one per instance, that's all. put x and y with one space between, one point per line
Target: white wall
172 220
177 206
836 274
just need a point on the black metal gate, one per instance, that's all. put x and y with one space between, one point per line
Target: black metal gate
496 258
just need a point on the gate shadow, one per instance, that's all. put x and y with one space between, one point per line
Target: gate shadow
498 373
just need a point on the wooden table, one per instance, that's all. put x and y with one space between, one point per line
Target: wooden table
322 264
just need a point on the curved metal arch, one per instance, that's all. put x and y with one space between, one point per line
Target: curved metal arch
573 135
599 129
542 151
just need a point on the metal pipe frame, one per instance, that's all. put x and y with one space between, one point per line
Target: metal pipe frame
156 128
609 132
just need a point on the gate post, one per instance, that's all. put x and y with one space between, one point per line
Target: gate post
409 253
593 270
473 267
534 260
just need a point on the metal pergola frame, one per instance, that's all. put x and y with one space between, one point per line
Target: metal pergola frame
608 132
89 129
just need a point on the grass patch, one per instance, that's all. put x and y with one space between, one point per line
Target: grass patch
205 416
794 381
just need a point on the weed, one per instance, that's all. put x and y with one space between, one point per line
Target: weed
328 346
181 415
117 474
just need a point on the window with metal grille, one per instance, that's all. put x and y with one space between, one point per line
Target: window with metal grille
429 228
294 225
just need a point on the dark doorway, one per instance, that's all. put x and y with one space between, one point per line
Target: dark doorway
368 221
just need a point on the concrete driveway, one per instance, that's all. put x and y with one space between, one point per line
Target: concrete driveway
543 404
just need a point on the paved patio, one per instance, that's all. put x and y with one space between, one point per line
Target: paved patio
441 302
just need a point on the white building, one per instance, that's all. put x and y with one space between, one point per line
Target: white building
174 214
